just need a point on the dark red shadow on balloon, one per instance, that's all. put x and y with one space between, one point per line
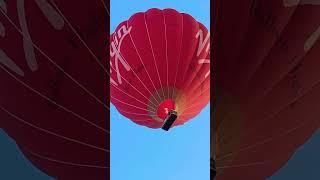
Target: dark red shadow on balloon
58 125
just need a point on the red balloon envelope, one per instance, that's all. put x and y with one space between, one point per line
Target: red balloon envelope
267 84
53 91
159 61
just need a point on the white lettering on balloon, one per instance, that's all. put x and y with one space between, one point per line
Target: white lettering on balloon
115 51
290 3
3 6
2 30
53 17
205 61
203 42
315 36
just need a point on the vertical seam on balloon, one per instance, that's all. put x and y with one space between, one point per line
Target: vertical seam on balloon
144 67
154 59
180 49
165 33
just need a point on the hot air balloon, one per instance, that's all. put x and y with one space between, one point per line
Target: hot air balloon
159 68
266 84
54 85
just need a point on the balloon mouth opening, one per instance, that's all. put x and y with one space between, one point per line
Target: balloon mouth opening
165 107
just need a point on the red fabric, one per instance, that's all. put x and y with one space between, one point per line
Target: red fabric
161 51
33 116
264 62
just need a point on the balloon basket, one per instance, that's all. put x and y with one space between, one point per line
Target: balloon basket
169 120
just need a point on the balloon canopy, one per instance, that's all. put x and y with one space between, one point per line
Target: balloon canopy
53 90
266 84
159 61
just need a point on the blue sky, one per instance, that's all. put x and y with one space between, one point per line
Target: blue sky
143 153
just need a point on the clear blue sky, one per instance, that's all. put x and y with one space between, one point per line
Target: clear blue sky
140 153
